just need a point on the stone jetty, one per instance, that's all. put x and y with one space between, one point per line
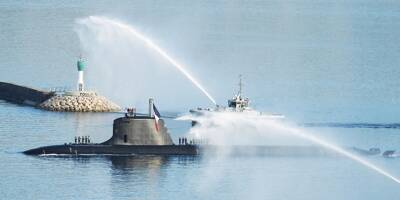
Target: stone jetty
79 102
68 101
19 94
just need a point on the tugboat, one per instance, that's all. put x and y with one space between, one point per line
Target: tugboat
238 104
132 134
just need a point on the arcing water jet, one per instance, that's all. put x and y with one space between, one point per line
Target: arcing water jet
227 128
337 149
103 21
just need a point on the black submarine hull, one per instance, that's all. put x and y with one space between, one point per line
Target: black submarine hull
190 150
104 149
98 149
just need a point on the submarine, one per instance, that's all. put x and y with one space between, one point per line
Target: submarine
146 134
132 134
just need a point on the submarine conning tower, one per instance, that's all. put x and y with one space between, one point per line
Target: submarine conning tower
140 129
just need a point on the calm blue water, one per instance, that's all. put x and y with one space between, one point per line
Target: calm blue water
314 61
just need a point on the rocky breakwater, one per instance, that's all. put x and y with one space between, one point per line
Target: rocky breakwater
79 102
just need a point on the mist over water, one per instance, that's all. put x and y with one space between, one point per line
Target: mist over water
129 67
227 129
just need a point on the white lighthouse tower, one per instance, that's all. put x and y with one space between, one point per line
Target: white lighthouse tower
81 66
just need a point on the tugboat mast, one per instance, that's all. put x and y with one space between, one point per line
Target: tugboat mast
240 85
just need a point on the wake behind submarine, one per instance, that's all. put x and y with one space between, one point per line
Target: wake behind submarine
132 134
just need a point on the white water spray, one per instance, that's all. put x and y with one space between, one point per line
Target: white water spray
103 21
236 128
337 149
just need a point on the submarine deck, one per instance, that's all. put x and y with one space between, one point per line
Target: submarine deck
103 149
78 149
